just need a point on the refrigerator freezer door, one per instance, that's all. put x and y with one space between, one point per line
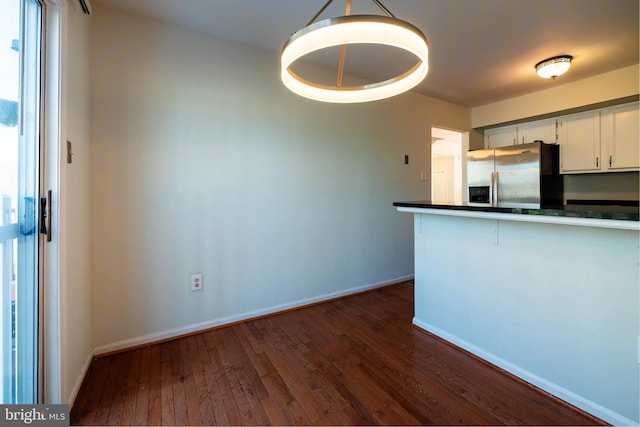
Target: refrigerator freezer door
480 166
480 175
517 182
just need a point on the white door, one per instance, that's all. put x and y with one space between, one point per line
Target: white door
440 188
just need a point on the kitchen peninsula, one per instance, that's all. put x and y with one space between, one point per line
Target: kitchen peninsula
550 295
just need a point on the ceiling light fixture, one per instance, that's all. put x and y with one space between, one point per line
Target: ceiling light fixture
554 67
354 29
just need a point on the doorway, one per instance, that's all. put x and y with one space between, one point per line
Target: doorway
446 166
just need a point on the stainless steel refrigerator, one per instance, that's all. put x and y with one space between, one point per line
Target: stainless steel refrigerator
519 176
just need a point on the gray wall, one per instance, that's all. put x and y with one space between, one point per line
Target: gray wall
602 186
203 162
74 273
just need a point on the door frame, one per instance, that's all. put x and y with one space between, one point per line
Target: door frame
52 131
459 173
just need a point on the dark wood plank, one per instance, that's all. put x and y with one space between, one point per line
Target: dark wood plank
244 383
132 379
166 387
225 406
178 379
144 385
109 393
279 403
119 377
352 361
190 387
294 375
389 359
91 390
207 398
154 414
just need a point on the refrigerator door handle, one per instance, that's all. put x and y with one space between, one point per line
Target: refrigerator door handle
491 189
495 191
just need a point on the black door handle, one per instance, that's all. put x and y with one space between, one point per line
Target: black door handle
45 215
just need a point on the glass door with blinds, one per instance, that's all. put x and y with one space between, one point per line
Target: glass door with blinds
20 84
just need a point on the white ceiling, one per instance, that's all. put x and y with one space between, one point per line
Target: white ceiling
481 51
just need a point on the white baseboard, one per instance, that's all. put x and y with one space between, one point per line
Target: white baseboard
81 376
158 336
556 390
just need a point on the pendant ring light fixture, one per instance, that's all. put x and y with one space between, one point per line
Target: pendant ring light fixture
354 29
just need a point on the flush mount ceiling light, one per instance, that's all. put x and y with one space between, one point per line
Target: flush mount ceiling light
354 29
553 67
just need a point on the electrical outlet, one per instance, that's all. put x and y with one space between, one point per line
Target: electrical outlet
196 282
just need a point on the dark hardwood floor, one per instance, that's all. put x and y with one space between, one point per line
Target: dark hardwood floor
352 361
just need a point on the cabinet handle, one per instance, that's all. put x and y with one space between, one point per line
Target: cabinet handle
597 162
523 139
610 160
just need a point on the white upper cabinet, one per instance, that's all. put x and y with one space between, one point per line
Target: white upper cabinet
500 137
604 140
541 130
579 139
620 134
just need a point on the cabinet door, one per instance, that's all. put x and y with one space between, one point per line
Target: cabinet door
542 130
579 138
620 132
500 137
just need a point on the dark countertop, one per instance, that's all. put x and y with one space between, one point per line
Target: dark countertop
599 211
